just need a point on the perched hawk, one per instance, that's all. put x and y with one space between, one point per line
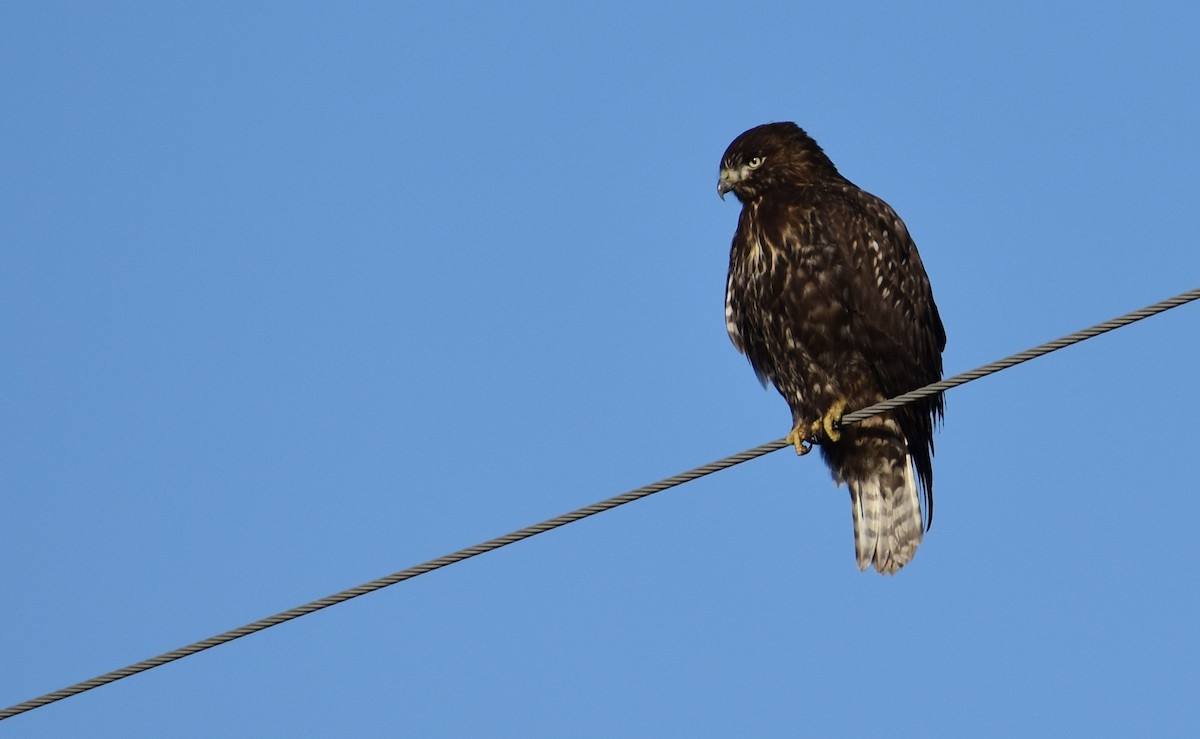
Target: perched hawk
828 299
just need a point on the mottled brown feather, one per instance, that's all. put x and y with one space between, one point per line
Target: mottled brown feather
829 300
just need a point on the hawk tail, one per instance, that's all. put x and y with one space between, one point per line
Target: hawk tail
884 499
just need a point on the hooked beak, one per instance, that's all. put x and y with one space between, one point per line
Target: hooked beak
726 183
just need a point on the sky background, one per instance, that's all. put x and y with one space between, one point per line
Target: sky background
296 295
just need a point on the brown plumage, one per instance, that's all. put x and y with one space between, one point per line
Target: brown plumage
828 299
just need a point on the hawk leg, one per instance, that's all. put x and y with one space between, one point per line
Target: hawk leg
801 438
825 428
830 423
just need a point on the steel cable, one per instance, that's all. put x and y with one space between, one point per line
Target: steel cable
591 510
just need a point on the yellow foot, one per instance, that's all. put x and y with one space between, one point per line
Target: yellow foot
830 422
825 428
799 438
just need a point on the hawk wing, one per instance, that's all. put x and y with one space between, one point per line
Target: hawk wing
893 320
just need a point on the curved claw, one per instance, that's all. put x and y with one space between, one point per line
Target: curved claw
800 440
831 422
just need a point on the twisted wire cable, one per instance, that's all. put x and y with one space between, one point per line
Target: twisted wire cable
586 511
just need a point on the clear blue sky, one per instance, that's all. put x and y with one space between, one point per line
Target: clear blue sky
296 295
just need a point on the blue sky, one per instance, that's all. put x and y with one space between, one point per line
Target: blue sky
296 295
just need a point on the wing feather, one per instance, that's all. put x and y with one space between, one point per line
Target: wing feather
894 320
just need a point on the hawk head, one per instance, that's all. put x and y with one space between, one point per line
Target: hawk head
771 155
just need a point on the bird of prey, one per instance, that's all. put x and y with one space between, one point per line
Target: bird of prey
830 302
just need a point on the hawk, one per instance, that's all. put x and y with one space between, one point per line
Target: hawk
829 301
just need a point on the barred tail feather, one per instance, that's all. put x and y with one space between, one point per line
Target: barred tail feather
887 515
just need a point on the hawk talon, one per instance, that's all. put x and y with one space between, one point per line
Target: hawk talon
831 422
802 442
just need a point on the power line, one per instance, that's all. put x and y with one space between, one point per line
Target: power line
591 510
1025 356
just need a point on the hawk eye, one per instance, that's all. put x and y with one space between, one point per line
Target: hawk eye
755 163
